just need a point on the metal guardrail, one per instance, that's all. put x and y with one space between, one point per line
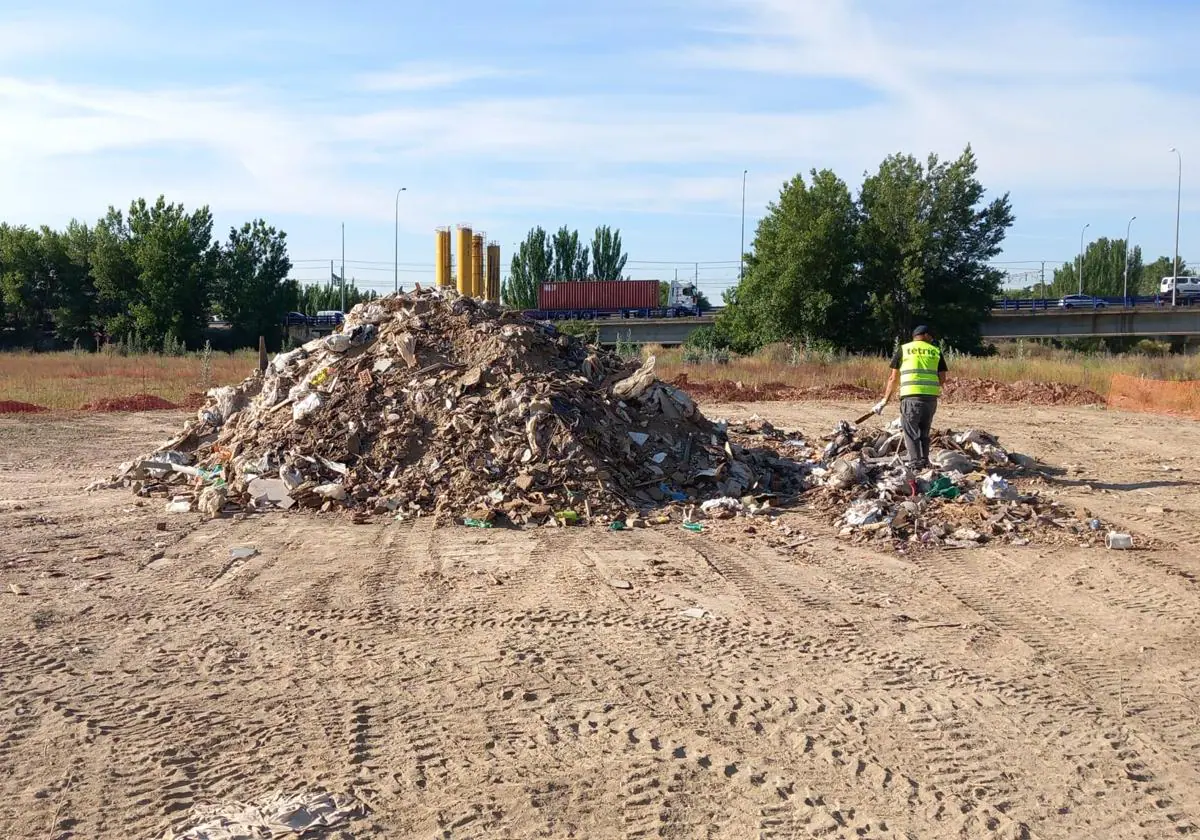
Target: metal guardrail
1056 304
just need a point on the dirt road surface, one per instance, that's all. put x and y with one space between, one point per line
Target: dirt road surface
469 683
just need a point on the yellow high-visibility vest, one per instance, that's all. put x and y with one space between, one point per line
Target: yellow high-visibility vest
919 370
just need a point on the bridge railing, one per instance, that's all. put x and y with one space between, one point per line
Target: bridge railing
1033 305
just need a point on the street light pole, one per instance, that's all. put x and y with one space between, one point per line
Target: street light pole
742 253
1127 228
397 256
1178 198
1080 272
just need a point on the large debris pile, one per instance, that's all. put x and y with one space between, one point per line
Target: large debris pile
428 402
975 492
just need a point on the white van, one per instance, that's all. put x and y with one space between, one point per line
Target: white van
1188 286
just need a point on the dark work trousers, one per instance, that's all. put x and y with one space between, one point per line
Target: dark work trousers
916 418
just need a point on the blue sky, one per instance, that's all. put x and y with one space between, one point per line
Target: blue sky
636 113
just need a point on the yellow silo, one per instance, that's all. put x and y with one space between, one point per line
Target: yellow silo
493 271
466 269
477 274
441 257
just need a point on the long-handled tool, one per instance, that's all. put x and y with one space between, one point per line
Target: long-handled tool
864 418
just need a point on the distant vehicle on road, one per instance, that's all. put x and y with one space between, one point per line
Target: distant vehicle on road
1082 302
1186 286
296 319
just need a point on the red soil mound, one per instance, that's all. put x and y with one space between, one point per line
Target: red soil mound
957 390
1029 393
136 402
14 407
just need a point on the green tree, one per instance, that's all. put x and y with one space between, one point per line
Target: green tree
1153 274
531 267
570 258
114 274
175 259
800 281
924 241
26 283
608 259
327 297
1103 271
73 299
252 291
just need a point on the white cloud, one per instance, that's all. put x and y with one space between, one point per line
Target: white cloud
1077 119
418 77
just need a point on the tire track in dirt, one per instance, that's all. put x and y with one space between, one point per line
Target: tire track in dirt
1036 622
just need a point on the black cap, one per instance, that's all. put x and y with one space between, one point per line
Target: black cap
921 330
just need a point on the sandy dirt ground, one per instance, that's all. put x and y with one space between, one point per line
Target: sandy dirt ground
469 683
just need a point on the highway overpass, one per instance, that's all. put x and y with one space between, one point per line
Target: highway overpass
1182 321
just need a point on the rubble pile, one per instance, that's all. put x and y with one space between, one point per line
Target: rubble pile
431 403
975 492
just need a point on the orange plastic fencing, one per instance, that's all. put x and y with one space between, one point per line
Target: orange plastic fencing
1155 395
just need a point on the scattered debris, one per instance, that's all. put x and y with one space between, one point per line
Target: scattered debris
695 612
617 583
243 552
971 496
277 816
1119 542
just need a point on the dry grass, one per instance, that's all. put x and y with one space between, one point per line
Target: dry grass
70 380
779 364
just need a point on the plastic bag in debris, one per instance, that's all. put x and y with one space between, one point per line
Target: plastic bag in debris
228 401
845 474
306 406
995 487
363 335
863 513
948 460
723 503
337 342
371 313
942 488
284 360
637 383
160 467
336 492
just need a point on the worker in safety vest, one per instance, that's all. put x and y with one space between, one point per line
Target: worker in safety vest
921 371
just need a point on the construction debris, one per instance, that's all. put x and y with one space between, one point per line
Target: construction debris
972 494
432 403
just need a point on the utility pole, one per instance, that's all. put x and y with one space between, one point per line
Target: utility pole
1178 197
1043 284
397 256
343 266
1080 272
1127 228
742 253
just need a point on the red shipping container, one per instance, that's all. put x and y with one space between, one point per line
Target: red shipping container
598 294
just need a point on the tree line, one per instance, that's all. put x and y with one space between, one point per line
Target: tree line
152 277
561 257
1104 273
829 269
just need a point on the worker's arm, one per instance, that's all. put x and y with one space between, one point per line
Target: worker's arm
887 393
891 385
